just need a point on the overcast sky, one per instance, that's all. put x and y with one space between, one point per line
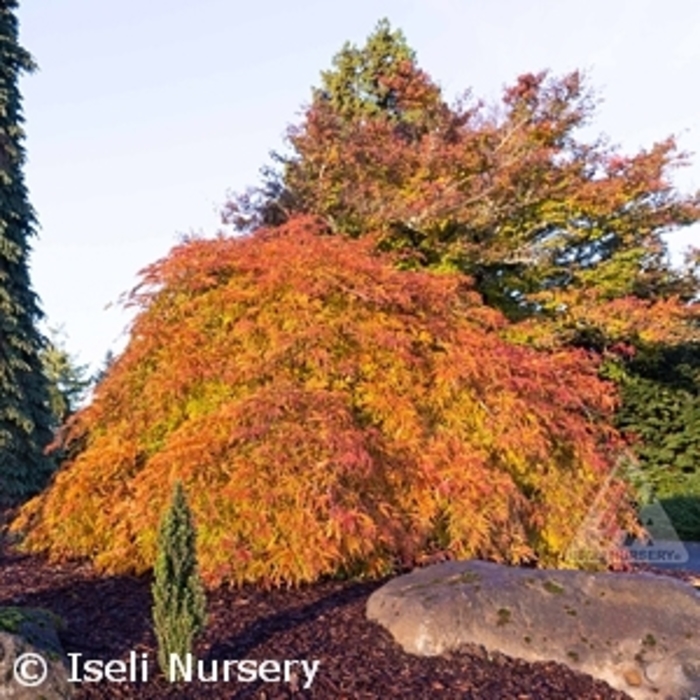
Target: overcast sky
144 113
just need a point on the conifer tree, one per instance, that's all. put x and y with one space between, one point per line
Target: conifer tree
179 600
68 380
25 414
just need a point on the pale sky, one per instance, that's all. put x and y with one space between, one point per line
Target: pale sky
145 113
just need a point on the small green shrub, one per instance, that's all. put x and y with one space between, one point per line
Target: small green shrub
178 593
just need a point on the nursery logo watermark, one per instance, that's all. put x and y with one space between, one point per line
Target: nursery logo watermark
599 540
246 671
30 669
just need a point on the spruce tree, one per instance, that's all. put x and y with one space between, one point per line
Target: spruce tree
179 609
25 414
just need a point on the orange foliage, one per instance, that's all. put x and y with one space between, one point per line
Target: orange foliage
325 413
588 314
508 193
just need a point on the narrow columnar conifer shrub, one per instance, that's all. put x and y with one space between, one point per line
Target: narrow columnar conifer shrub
179 601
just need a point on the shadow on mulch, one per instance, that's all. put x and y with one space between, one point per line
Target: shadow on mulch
262 630
103 615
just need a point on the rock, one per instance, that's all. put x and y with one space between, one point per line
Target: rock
28 640
640 633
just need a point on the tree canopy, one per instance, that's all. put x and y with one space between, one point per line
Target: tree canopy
326 412
25 413
565 235
418 346
508 193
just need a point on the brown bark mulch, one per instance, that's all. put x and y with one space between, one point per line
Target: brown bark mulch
108 617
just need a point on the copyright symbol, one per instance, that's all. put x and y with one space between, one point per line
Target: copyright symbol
30 669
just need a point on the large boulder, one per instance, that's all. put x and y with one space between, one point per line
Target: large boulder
32 662
638 632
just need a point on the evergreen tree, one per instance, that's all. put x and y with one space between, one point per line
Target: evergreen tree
107 362
68 380
381 79
25 413
179 601
378 81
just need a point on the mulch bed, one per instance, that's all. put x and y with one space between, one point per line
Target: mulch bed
107 617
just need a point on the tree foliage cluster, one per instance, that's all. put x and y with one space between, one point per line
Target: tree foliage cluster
406 352
506 193
327 412
562 234
660 409
69 381
25 411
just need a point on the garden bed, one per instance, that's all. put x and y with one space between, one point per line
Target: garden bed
108 617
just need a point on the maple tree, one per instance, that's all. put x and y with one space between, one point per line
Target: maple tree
507 193
404 354
564 235
327 414
378 82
